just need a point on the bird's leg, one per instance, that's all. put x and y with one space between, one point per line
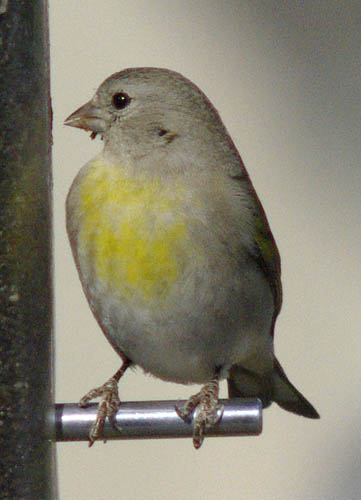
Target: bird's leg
109 402
207 415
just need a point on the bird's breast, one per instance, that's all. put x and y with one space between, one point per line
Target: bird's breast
132 234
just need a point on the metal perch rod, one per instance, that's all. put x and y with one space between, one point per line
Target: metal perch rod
156 419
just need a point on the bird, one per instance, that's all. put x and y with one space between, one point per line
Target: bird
173 248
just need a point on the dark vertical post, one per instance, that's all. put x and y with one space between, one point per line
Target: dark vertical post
26 452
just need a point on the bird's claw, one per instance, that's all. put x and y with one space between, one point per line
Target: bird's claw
108 406
209 412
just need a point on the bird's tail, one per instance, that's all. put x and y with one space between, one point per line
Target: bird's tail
277 388
287 396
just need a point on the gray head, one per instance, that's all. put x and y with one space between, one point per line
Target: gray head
146 108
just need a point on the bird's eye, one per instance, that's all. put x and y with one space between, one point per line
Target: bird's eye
120 100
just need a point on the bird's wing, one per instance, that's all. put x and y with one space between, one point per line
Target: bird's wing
267 255
265 250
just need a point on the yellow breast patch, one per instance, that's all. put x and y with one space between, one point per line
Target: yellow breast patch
132 235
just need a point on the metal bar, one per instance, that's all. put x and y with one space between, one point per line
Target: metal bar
156 419
27 457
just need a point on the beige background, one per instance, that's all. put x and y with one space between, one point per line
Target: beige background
285 77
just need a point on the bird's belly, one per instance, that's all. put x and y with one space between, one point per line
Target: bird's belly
192 338
202 324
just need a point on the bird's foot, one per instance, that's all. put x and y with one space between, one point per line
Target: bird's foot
108 406
209 411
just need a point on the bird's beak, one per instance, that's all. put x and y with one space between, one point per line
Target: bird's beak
88 117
